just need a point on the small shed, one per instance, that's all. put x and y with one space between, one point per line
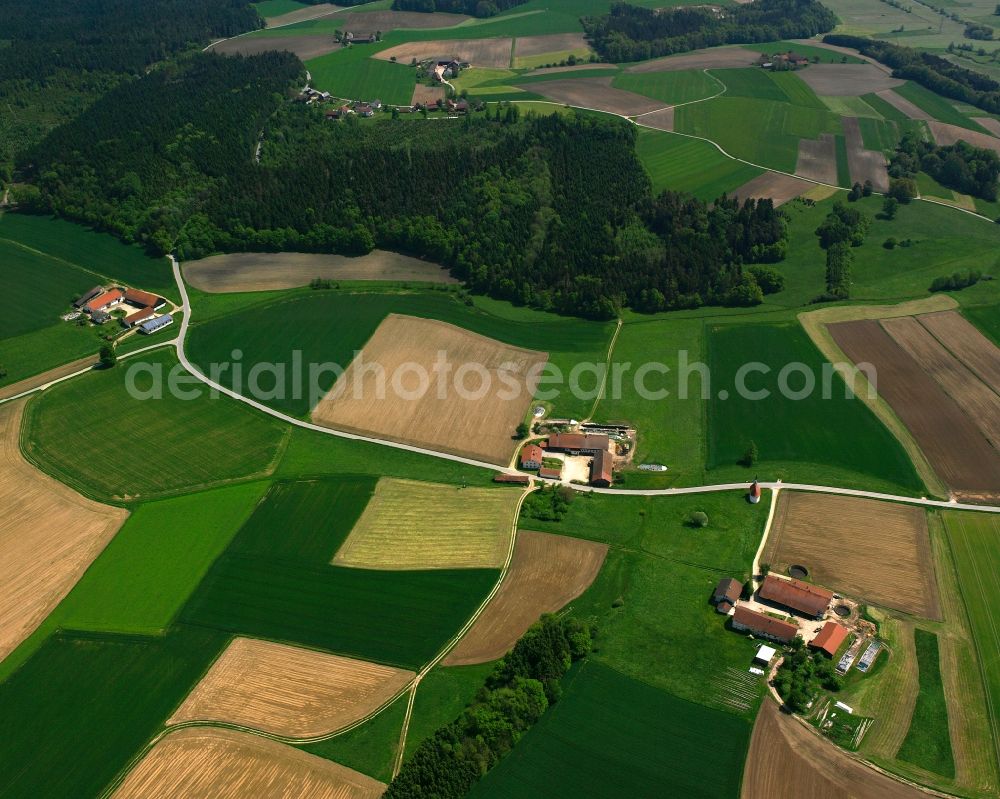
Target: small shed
765 654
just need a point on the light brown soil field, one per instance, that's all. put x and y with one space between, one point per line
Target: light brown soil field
717 58
409 524
945 134
844 51
427 95
269 271
478 52
904 105
818 159
49 535
13 389
978 401
788 760
305 46
598 94
367 22
546 574
224 764
778 187
969 345
302 14
864 164
473 426
952 443
661 120
288 690
876 552
527 46
847 80
992 125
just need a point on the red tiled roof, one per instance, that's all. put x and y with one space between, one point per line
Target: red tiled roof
104 299
141 297
550 471
516 479
830 638
728 588
724 607
600 467
532 453
795 594
765 625
578 441
139 316
755 489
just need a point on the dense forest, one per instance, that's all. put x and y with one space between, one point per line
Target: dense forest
631 33
476 8
959 166
930 71
518 691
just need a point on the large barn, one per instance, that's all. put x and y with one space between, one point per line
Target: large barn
751 621
577 443
809 600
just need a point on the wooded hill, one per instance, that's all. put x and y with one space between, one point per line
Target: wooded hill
475 8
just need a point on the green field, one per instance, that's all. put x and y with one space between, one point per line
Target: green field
351 74
987 319
885 109
274 8
837 431
796 90
97 252
726 119
612 736
877 134
83 705
751 82
936 105
927 743
370 748
331 326
682 164
974 539
669 87
441 697
843 167
851 107
77 430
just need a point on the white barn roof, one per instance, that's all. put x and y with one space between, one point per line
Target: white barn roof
765 653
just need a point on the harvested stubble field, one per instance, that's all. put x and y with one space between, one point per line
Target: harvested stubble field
945 134
980 403
847 80
257 271
527 46
473 426
788 760
221 764
966 342
301 14
877 552
864 164
305 46
367 22
780 188
478 52
49 536
598 94
288 690
546 573
413 525
818 159
427 95
952 443
718 58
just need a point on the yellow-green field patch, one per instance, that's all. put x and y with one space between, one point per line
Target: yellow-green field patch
850 107
411 525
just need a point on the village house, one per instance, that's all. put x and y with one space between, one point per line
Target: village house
829 639
808 600
746 620
726 593
531 457
365 110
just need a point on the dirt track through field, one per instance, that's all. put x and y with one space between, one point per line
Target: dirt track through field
952 443
267 271
779 188
305 46
478 52
49 536
223 764
978 400
547 573
460 417
818 159
13 389
945 134
288 690
788 760
864 164
596 93
904 105
833 538
847 80
718 58
527 46
409 524
969 345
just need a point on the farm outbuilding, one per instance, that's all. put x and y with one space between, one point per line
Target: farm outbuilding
577 443
601 469
102 302
139 316
511 479
550 472
728 590
87 296
765 654
143 299
746 620
809 600
830 638
152 325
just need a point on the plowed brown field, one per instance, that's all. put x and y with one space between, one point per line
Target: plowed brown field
547 573
478 52
952 443
969 345
224 764
302 14
717 58
49 535
864 164
877 552
306 46
787 760
818 159
598 94
471 425
904 105
259 271
945 134
288 690
847 80
779 188
527 46
979 401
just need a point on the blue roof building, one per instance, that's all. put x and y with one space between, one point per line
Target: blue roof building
152 325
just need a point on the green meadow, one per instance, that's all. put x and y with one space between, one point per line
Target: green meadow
274 8
669 87
927 743
936 105
350 73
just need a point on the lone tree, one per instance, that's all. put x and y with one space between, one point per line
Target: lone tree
751 455
889 207
699 519
522 430
107 357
